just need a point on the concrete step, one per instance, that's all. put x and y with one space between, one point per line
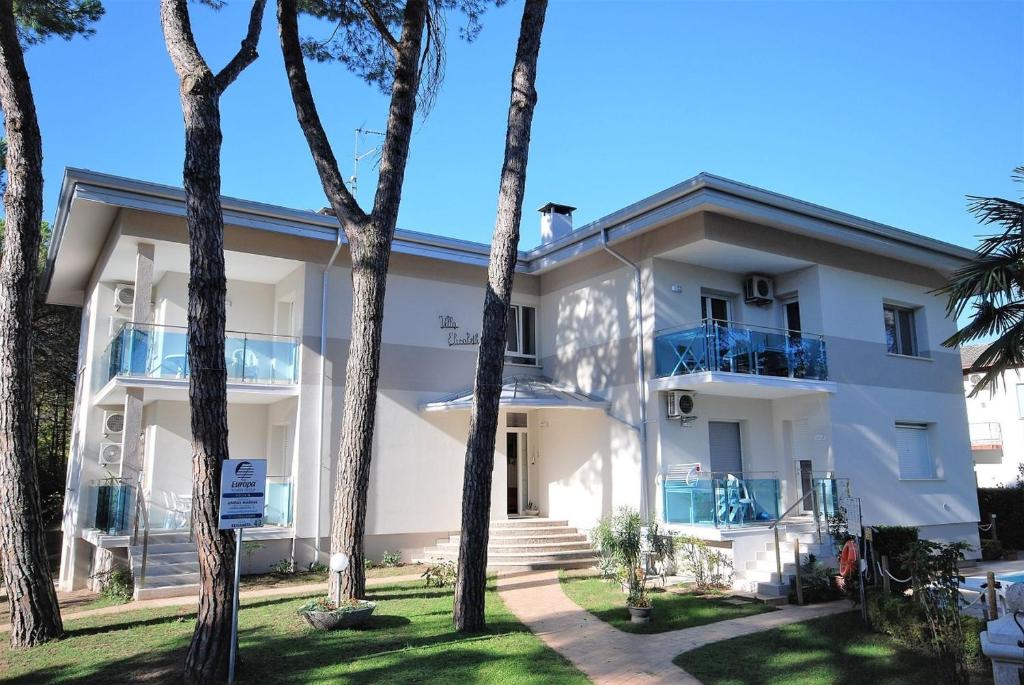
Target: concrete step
531 531
529 522
773 589
501 537
530 548
773 600
162 591
766 577
154 570
769 567
166 558
165 548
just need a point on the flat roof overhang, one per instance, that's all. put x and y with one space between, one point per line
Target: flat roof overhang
89 202
725 384
176 389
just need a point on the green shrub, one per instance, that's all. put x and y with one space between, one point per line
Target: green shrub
903 619
816 580
318 568
893 542
709 568
1008 506
443 574
391 559
116 585
282 567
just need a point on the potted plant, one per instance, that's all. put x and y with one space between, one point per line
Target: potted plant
618 539
531 510
326 614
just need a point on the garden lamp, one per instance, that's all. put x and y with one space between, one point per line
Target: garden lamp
339 562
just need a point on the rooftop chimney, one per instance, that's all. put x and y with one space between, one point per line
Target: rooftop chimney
555 222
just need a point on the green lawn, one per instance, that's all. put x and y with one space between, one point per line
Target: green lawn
832 649
408 639
672 610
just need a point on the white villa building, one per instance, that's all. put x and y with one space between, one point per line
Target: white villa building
996 423
709 355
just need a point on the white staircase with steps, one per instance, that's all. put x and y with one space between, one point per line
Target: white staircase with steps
172 566
529 542
760 575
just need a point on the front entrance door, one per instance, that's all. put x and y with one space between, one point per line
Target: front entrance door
516 451
804 470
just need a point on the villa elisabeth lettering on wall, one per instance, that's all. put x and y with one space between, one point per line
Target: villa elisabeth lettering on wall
455 338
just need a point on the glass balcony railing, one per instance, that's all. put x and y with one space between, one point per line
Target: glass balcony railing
724 346
829 493
110 503
723 500
151 351
277 509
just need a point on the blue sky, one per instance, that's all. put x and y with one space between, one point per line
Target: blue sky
889 110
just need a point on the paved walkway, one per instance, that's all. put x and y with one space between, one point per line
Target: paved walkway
282 591
609 656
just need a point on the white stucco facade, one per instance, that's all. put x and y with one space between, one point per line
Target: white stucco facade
577 463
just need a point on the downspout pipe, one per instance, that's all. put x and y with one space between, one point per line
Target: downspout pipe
323 388
641 371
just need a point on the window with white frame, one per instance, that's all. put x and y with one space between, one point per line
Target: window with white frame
913 448
900 330
1020 400
521 334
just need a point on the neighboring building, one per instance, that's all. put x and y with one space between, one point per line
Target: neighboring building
996 419
784 348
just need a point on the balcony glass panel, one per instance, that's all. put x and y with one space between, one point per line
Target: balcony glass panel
110 503
829 491
278 504
722 500
150 351
713 345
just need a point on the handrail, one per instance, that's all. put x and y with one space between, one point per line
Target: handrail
141 511
140 324
738 325
774 527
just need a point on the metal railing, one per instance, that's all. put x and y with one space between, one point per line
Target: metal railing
825 493
712 345
141 512
986 436
158 351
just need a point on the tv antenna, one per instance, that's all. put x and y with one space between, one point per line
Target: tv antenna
359 154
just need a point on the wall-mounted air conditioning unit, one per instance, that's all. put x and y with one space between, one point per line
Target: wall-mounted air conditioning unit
758 289
113 423
110 453
124 296
680 404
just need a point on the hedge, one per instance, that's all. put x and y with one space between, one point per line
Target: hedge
903 619
1008 506
892 542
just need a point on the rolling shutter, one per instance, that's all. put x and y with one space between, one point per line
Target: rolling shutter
914 453
724 438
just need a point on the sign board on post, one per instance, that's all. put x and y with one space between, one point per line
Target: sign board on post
242 498
242 493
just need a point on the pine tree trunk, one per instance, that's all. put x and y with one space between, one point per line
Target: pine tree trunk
200 91
35 614
369 237
483 425
207 287
369 277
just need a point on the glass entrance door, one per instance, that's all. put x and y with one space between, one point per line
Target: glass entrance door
517 465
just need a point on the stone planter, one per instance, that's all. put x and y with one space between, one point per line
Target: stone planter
347 617
639 614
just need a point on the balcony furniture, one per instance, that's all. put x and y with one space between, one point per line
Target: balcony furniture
717 346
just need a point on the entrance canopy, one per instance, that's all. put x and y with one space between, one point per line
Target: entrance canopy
525 392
